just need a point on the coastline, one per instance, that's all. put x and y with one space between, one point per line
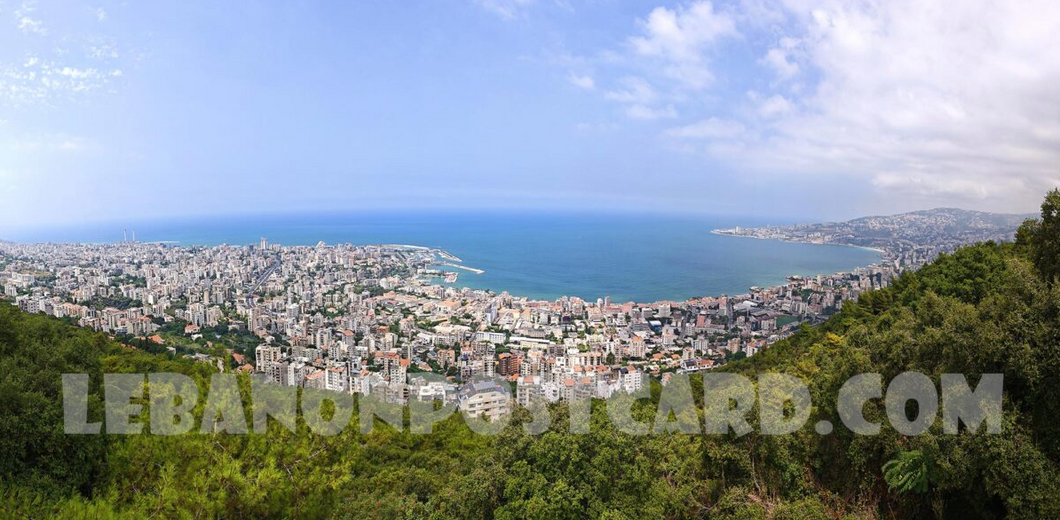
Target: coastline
722 232
445 259
545 256
442 252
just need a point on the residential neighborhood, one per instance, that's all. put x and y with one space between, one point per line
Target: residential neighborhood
377 320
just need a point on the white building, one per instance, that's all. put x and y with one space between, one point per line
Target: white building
264 355
485 398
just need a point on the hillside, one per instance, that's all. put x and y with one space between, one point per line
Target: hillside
941 229
928 226
960 218
986 308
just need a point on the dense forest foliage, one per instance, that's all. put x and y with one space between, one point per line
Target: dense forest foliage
987 308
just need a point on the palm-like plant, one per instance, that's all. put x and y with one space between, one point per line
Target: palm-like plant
909 471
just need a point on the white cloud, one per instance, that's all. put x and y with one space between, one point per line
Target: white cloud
40 81
26 23
932 98
920 185
582 81
102 49
781 59
775 105
506 9
48 143
712 128
635 90
641 100
680 40
760 13
681 35
101 15
674 48
45 69
77 73
29 25
922 98
648 113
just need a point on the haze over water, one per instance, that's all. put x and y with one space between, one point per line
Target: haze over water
628 257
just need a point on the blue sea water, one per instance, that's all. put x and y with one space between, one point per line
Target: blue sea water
644 258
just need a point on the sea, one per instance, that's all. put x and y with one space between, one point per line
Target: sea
629 257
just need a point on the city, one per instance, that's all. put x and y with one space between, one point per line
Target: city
530 260
372 320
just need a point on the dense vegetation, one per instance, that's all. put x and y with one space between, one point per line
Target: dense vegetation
986 308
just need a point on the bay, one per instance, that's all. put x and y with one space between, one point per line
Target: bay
639 257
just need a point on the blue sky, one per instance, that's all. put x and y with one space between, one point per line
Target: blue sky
822 109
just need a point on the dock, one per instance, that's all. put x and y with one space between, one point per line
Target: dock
464 267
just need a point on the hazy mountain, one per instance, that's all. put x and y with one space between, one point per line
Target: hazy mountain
940 228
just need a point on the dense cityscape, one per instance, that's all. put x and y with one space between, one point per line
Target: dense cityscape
530 260
389 321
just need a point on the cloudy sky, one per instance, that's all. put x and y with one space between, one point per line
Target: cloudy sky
810 108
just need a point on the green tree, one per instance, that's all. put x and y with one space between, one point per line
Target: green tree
1046 250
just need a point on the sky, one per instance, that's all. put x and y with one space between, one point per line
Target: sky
822 109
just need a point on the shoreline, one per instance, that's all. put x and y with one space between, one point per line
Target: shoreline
446 255
722 232
689 299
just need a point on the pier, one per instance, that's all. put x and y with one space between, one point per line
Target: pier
464 267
